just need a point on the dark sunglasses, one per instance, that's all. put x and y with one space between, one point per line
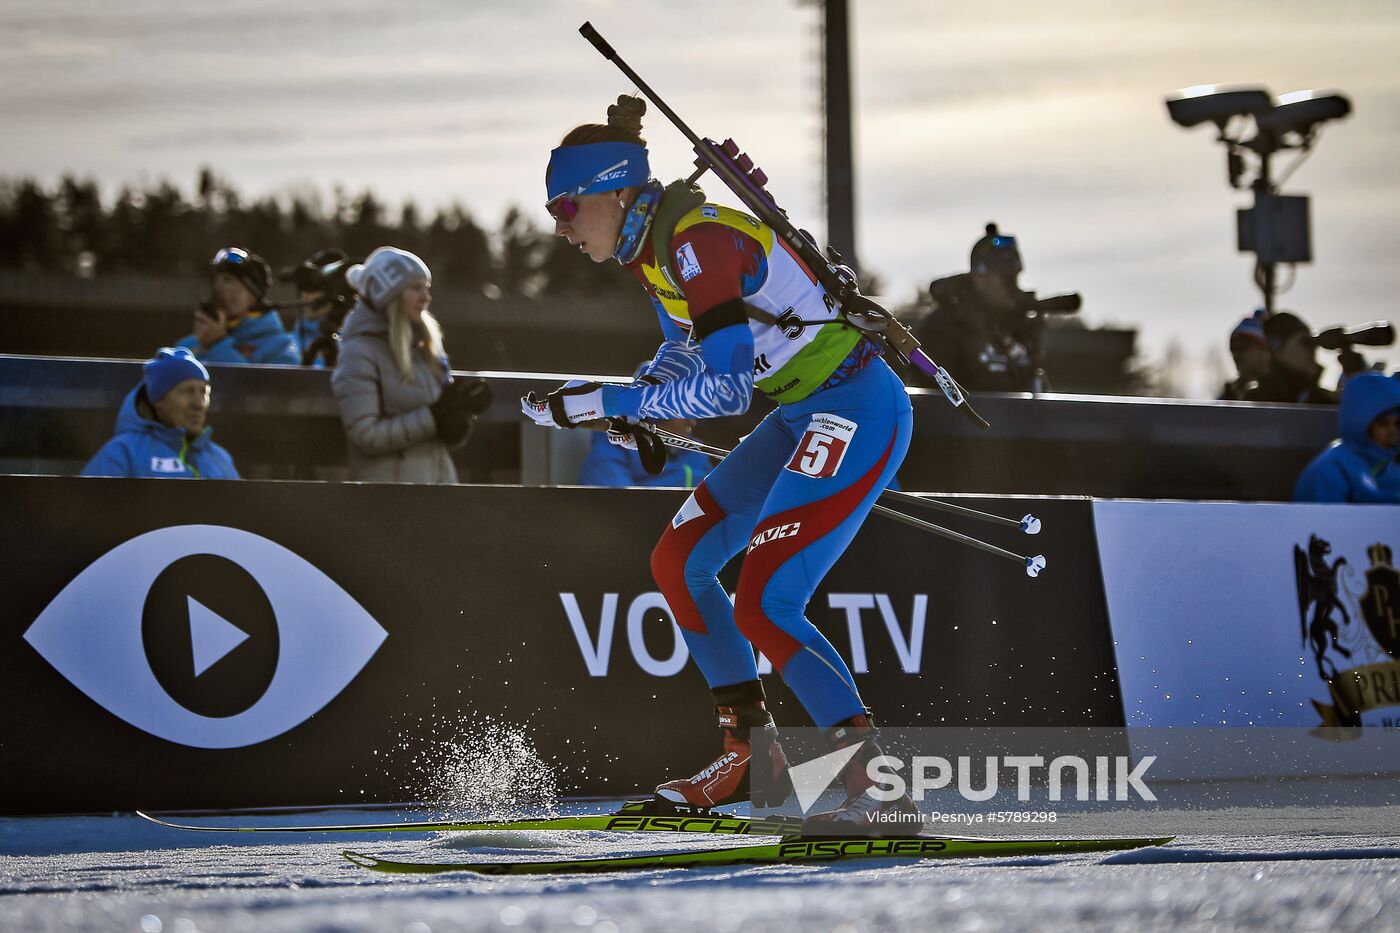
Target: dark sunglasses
562 207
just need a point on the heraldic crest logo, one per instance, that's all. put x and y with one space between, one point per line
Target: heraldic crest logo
1372 679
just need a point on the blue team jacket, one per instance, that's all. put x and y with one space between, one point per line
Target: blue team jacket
612 465
143 447
305 334
258 338
1354 468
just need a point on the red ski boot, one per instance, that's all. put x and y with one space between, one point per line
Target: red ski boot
741 773
862 814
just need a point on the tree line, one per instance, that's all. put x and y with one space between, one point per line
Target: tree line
158 230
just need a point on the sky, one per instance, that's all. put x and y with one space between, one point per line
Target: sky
1047 118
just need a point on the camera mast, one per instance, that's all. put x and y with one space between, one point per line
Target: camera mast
1276 227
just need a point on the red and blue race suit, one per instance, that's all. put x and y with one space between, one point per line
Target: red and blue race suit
746 315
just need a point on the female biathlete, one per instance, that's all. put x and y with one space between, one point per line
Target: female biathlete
739 312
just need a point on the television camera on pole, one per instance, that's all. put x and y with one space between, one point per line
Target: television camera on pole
1276 227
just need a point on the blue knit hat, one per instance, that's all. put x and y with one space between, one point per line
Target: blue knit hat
170 367
1250 330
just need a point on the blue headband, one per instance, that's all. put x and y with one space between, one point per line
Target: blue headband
595 167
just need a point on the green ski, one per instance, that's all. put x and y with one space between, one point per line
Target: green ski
634 817
787 852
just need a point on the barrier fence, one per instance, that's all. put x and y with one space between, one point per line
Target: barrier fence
282 423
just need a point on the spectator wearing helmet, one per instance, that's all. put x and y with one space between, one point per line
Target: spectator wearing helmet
1360 466
161 430
1293 367
1250 350
234 325
401 408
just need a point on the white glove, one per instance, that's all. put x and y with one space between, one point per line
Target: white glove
574 402
620 433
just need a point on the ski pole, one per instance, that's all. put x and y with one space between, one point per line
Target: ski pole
1028 523
1033 565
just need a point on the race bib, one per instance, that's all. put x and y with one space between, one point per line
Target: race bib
823 446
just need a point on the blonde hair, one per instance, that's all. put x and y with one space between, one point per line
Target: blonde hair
405 340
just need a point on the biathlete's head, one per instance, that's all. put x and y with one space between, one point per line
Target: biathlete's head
595 175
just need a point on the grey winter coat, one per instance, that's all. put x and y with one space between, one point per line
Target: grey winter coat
390 429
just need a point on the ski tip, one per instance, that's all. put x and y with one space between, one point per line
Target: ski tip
360 859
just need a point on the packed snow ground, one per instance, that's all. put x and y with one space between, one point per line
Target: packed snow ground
120 873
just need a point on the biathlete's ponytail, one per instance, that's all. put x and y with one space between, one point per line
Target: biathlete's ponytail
624 125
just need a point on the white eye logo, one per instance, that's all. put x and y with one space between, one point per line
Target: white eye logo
92 634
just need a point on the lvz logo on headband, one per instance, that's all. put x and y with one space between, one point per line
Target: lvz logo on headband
823 446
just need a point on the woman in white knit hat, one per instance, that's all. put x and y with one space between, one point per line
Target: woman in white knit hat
401 408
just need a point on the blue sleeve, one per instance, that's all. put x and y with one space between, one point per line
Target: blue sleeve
1323 480
224 461
221 352
674 359
669 330
718 383
111 460
278 348
603 467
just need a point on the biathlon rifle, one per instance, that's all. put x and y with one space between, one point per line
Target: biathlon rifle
747 181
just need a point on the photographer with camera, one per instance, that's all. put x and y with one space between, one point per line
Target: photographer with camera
1360 466
1345 341
402 409
235 324
324 299
1293 367
985 327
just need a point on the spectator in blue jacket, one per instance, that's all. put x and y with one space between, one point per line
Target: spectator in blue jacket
1361 465
160 428
609 464
235 325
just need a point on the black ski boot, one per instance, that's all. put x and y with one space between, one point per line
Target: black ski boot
741 773
862 814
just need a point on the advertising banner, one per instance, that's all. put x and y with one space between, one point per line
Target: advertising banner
1235 614
205 644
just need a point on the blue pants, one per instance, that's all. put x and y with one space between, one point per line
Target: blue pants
792 495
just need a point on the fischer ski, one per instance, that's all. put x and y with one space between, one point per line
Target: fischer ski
787 852
636 816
